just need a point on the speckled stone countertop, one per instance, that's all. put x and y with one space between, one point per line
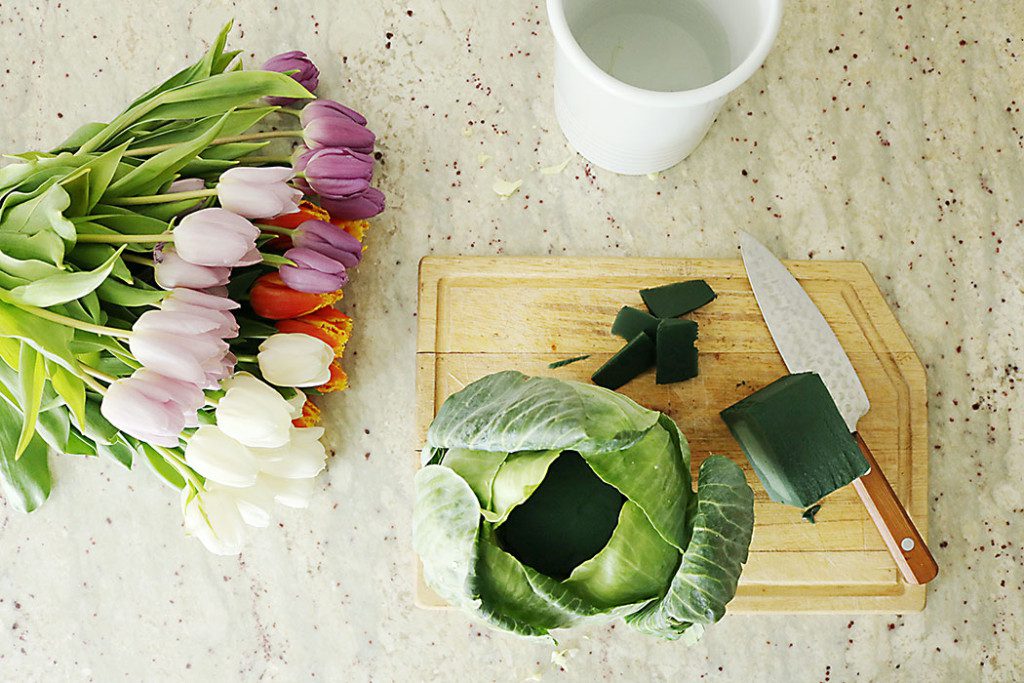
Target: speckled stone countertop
885 132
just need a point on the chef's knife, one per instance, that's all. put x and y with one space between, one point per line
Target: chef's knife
808 344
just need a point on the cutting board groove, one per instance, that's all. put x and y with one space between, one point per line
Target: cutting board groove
479 315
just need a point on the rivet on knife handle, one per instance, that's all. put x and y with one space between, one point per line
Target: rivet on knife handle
901 537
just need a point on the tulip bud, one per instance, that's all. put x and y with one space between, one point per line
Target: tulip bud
170 271
254 192
212 516
293 493
151 407
219 458
202 304
365 204
253 413
326 123
215 237
329 240
295 360
337 173
271 298
302 458
187 358
305 70
186 185
313 272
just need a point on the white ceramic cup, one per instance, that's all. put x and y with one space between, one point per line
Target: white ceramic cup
633 130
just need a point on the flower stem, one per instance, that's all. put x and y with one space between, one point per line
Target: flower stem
178 463
274 229
128 239
276 260
74 322
134 258
164 198
265 159
94 385
97 373
265 135
246 359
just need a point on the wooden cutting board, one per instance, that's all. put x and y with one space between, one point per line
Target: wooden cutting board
479 315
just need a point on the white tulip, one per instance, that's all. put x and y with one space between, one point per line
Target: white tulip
295 360
255 503
297 402
302 458
293 493
253 413
213 518
218 457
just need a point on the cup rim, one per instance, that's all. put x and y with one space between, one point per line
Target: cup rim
712 91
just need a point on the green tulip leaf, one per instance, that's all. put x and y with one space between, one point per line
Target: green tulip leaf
70 388
118 293
25 481
91 256
161 469
63 287
42 211
49 338
162 167
32 371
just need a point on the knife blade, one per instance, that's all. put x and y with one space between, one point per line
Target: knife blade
808 344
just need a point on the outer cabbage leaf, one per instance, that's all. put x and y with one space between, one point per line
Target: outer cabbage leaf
508 412
445 527
710 568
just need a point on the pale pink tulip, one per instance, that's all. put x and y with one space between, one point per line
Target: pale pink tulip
170 271
152 407
215 237
187 358
255 192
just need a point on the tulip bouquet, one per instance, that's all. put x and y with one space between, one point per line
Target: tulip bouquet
167 289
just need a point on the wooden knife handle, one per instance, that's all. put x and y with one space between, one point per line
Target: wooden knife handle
905 544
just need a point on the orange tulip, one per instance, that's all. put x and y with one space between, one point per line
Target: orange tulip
310 415
272 298
307 211
329 325
337 382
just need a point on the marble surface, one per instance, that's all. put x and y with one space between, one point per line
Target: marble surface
890 133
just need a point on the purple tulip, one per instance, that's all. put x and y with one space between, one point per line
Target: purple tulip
366 204
313 272
305 70
152 407
329 240
326 123
215 237
338 173
170 271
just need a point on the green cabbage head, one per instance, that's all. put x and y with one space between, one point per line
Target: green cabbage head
545 504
